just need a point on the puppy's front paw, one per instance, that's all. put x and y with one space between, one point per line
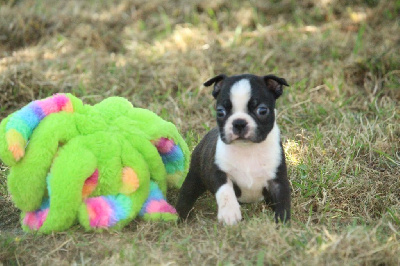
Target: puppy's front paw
228 206
230 213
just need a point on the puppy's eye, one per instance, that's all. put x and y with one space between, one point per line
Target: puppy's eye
227 104
221 112
262 111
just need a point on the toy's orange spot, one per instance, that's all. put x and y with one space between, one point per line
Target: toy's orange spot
130 181
16 144
90 184
87 190
91 213
68 107
17 152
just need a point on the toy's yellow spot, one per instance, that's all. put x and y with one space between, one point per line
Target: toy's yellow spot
174 178
130 181
68 107
16 144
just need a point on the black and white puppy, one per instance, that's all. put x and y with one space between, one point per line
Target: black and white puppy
242 159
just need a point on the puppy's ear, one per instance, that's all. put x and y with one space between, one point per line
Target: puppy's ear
217 81
275 84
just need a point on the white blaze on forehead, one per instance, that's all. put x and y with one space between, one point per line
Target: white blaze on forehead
240 95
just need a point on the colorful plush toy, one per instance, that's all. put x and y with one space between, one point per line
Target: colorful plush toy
101 165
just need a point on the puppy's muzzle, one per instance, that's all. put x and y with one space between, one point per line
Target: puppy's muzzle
239 127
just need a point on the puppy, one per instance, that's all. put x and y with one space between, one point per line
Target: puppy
241 160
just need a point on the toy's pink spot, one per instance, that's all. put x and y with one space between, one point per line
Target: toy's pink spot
164 145
55 104
90 184
42 215
60 100
30 220
48 106
130 181
34 220
160 206
99 212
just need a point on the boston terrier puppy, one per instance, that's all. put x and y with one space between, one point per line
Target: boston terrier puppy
241 160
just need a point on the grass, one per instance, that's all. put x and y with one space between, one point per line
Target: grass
340 119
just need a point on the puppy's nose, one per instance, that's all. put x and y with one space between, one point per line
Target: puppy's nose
239 126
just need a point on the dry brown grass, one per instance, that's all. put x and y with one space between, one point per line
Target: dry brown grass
340 118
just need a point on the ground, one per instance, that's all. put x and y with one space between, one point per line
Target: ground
339 119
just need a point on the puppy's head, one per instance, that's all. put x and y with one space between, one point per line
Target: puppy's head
245 106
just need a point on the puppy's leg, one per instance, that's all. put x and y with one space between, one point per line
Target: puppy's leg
268 198
192 188
228 205
278 193
279 196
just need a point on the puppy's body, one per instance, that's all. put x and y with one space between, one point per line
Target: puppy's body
242 160
250 166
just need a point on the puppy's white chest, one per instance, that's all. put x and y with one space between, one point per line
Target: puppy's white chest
250 165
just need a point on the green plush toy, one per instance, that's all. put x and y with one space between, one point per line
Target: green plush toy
101 165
